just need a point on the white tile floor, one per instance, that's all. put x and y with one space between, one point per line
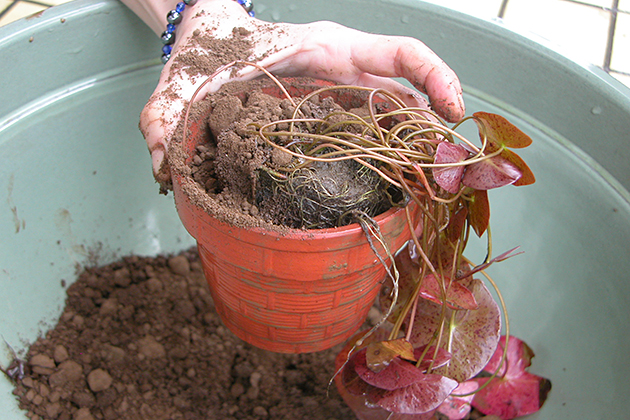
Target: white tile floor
589 31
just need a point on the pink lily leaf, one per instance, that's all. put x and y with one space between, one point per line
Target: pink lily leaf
457 295
514 392
455 407
422 396
491 173
431 358
449 177
474 333
398 374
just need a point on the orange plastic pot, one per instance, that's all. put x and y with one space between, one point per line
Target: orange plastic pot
295 292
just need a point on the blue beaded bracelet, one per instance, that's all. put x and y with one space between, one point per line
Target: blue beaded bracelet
175 16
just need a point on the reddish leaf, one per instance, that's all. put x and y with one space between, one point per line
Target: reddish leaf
420 397
474 334
457 408
408 270
359 403
449 177
527 177
500 131
514 392
499 258
456 223
348 378
351 380
457 295
491 173
380 354
479 216
399 416
431 359
398 374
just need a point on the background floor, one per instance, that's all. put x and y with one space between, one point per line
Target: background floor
589 31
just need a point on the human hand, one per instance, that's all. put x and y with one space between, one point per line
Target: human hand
322 50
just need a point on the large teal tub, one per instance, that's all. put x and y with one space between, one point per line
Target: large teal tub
75 179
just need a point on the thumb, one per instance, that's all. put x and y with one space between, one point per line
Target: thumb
158 122
166 108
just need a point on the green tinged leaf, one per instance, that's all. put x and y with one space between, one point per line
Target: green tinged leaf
503 134
500 132
380 354
527 176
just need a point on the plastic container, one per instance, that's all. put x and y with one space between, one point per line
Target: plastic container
75 177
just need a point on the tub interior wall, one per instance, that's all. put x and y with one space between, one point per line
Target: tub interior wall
76 185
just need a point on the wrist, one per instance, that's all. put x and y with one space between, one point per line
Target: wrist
184 13
153 12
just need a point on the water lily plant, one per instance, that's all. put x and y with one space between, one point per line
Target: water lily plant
438 349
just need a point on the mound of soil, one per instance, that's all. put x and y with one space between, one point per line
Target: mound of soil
139 339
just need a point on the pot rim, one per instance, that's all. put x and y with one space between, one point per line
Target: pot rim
327 233
182 181
272 230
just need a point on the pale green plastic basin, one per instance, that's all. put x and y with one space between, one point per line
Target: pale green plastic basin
75 179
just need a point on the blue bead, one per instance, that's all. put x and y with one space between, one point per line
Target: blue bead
167 49
170 28
174 17
252 14
180 7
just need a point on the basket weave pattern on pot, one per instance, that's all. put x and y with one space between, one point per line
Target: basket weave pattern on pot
289 315
299 292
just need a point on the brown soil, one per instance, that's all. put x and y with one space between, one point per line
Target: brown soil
139 339
234 165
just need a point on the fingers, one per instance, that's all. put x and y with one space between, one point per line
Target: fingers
413 60
155 127
334 52
410 96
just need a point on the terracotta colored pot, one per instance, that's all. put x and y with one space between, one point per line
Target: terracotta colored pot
303 291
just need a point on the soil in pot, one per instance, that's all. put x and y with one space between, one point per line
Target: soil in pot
139 339
237 170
